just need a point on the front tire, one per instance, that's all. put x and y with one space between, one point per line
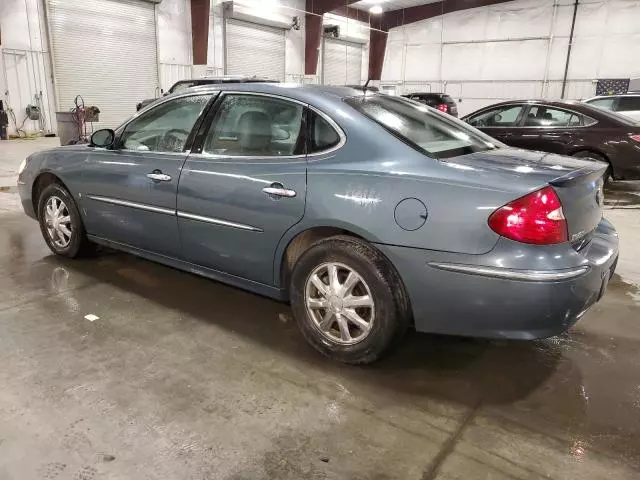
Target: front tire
60 222
348 300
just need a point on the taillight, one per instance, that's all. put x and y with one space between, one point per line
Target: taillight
635 137
443 107
536 218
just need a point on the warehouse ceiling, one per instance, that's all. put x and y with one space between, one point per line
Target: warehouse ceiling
388 5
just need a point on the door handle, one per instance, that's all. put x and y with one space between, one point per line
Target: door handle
158 176
279 191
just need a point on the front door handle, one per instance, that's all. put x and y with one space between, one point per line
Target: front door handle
158 176
279 191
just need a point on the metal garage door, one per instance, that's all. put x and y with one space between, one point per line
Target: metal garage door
254 49
342 62
105 51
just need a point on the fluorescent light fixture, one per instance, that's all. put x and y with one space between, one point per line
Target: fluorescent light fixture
376 10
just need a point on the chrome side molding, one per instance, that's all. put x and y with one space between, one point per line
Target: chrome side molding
126 203
217 221
511 274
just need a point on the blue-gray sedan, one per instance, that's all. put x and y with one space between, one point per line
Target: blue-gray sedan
369 213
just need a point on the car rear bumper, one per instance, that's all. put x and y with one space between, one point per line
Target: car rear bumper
484 299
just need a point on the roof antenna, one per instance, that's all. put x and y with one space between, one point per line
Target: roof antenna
364 88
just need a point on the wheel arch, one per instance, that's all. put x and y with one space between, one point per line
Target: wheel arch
593 150
42 181
298 240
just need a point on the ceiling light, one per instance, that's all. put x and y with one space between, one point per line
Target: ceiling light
376 10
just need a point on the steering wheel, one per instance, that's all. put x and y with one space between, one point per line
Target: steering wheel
173 140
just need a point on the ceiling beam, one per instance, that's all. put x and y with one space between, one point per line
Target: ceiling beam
405 16
314 29
200 30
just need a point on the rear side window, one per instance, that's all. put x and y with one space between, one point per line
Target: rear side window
628 104
323 135
255 126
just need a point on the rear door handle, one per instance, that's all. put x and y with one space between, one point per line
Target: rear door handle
279 192
158 176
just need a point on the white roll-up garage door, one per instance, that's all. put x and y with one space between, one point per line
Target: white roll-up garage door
254 49
342 62
105 51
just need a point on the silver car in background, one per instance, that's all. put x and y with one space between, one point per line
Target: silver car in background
369 213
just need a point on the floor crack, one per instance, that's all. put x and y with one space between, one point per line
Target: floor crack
433 468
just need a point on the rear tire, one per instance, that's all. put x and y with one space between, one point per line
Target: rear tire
587 155
61 224
356 317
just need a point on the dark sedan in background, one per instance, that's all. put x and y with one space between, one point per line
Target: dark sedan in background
440 101
568 128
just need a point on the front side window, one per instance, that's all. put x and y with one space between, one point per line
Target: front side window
628 104
505 116
166 127
606 103
435 134
253 125
542 116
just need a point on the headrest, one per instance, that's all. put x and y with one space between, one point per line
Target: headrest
254 130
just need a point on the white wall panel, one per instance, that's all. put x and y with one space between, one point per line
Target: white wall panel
24 62
174 32
393 68
424 61
517 49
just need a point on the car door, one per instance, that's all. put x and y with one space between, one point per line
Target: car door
130 190
244 185
549 129
500 122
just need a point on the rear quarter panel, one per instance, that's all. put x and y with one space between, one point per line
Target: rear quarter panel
358 187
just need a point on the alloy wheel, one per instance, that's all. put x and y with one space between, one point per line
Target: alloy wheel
58 222
340 303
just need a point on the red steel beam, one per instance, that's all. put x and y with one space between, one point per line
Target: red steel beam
200 30
313 30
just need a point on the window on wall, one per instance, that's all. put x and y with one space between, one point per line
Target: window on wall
166 127
253 125
542 116
506 116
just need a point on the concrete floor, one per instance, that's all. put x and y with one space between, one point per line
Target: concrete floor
184 378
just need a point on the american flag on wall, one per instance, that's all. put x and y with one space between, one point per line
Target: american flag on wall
612 86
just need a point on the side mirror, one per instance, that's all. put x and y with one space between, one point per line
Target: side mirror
103 138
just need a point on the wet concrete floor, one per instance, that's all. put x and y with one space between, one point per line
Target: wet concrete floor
184 378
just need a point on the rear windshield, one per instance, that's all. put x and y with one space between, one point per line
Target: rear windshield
433 133
447 99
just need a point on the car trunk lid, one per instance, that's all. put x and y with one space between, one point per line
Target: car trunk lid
578 183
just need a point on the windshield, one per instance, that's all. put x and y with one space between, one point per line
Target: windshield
433 133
